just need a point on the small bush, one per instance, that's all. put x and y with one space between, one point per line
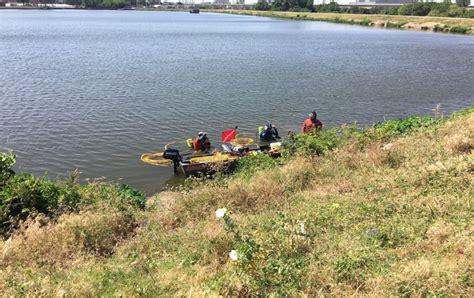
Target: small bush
459 29
392 128
24 195
365 22
316 144
394 24
438 28
131 197
246 167
7 160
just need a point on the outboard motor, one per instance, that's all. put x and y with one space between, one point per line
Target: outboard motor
173 155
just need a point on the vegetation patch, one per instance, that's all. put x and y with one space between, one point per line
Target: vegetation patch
459 29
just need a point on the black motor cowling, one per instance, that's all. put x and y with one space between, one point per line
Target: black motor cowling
172 154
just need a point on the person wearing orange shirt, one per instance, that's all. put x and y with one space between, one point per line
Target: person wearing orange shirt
311 124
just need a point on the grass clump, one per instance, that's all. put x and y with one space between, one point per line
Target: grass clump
459 29
382 211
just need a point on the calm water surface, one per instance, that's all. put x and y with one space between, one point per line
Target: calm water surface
93 90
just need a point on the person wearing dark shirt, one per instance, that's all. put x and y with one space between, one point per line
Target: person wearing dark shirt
201 142
269 132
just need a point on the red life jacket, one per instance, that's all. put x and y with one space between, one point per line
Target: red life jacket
307 126
196 144
201 145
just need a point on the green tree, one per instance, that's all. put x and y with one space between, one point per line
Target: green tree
262 5
463 3
331 7
455 11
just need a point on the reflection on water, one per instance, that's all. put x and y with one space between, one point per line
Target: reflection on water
94 89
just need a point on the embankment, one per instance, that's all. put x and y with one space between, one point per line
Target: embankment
437 24
381 211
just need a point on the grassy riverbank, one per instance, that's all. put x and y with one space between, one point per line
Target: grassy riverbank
439 24
382 211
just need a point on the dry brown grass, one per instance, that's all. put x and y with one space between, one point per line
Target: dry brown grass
67 242
460 139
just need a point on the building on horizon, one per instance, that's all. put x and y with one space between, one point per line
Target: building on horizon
377 2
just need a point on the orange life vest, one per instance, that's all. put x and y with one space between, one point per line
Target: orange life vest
196 144
307 126
201 145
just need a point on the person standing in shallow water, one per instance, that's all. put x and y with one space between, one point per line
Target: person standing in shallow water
201 142
269 132
312 124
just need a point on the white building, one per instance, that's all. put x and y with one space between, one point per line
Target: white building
13 4
371 2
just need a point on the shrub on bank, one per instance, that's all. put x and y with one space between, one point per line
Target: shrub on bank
459 29
23 196
393 128
246 167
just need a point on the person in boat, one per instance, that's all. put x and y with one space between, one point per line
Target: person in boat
201 142
269 132
312 124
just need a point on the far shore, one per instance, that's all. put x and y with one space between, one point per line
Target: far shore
434 24
416 23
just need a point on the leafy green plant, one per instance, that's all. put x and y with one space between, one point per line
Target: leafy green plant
316 143
24 195
392 128
459 29
365 22
7 160
131 197
246 167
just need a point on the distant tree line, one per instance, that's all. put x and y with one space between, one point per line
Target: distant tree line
97 4
105 4
446 9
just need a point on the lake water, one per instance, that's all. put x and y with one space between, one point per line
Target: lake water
92 90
